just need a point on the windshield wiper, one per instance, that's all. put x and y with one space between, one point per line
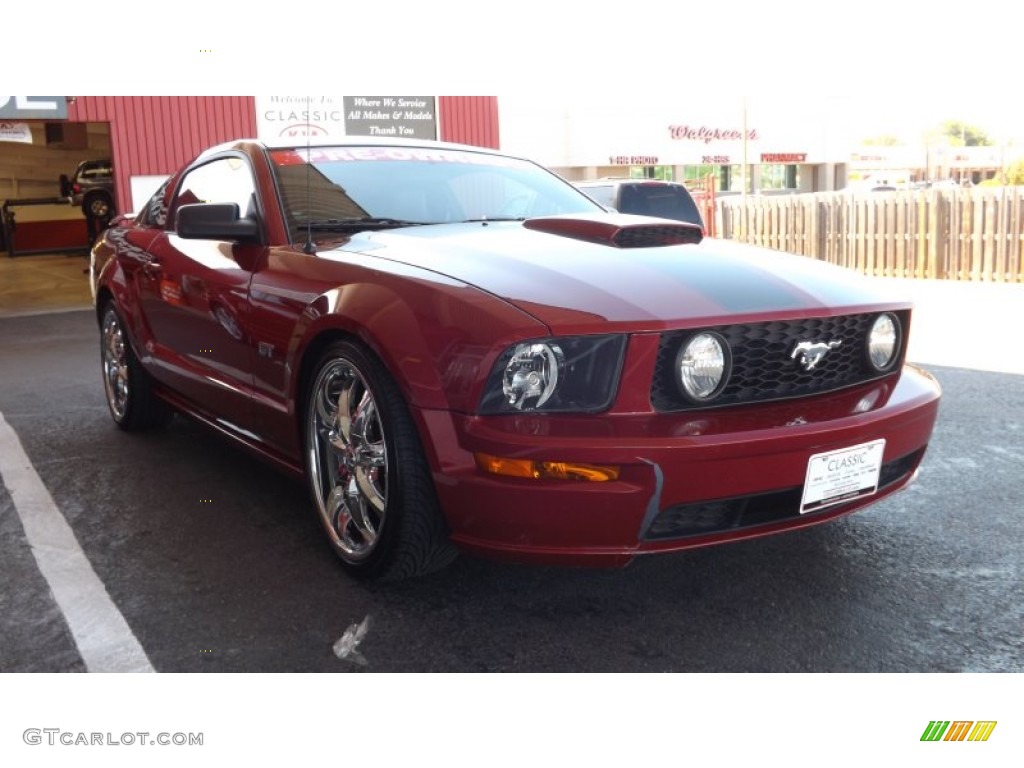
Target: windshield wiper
486 219
357 224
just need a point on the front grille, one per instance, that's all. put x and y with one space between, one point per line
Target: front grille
762 364
719 515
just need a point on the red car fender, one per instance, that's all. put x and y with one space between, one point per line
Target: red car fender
431 370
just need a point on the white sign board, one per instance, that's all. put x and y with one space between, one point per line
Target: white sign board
281 117
20 132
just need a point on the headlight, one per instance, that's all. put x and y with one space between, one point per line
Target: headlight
531 376
565 374
884 341
702 366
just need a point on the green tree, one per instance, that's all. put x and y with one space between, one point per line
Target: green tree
1015 174
963 135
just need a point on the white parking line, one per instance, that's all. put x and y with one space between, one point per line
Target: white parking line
104 639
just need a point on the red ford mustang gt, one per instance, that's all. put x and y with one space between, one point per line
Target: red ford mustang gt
459 350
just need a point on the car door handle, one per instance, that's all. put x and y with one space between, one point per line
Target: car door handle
151 268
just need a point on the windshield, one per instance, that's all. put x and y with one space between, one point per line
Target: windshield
410 185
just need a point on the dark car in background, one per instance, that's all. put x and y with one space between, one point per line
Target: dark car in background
645 197
92 187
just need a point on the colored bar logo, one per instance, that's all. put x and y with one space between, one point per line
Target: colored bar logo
958 730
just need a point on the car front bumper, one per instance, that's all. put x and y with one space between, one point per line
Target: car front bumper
686 479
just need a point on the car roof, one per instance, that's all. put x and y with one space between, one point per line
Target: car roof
621 180
301 142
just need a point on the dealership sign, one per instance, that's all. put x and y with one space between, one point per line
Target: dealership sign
19 132
299 116
409 117
33 108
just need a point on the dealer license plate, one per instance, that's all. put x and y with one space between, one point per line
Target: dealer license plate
839 476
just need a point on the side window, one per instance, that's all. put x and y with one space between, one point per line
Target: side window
225 180
154 214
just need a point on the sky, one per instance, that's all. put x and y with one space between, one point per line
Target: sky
896 66
530 120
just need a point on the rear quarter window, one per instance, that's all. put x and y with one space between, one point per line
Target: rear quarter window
603 194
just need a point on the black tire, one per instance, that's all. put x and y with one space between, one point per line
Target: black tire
98 205
367 475
130 398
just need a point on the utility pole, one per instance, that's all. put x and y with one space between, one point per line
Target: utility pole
746 170
744 176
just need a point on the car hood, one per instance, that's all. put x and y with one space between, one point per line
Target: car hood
573 285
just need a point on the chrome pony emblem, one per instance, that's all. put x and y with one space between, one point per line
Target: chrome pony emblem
809 353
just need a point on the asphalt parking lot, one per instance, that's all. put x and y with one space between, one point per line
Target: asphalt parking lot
217 564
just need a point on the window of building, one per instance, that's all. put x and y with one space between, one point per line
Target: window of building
775 176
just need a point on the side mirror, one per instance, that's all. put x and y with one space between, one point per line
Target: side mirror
215 221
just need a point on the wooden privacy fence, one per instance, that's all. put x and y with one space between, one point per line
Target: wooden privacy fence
955 234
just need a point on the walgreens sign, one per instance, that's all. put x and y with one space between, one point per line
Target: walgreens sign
707 134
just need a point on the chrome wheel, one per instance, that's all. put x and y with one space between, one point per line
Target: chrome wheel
347 458
367 472
129 390
115 365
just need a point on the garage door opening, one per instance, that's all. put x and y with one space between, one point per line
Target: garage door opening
45 222
53 180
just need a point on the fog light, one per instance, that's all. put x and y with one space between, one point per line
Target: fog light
884 341
546 470
702 366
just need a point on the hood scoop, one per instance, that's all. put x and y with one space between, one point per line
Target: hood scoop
619 231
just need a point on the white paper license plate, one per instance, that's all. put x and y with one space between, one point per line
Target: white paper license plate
842 475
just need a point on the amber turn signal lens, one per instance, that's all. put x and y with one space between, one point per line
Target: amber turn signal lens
546 470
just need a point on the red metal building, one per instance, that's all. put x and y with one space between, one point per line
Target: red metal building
154 135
